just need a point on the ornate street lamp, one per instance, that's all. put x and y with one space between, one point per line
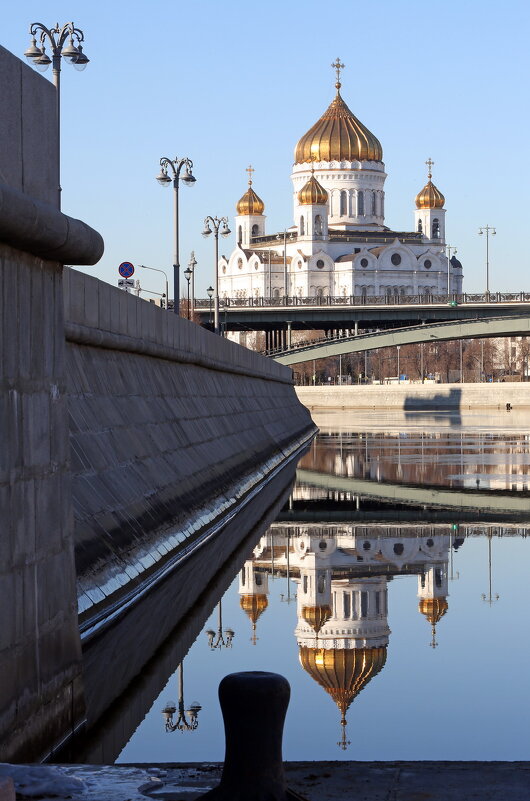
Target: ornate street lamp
225 231
192 265
218 641
184 723
187 275
72 51
210 292
489 229
176 165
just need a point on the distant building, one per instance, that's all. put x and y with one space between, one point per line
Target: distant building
339 244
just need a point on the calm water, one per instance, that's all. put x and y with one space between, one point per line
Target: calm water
392 592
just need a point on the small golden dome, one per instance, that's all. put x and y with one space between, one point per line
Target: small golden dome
316 616
250 203
433 609
254 606
430 197
343 672
312 194
338 136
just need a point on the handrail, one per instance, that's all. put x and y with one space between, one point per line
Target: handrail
466 298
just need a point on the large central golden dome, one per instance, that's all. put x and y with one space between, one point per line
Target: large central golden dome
338 136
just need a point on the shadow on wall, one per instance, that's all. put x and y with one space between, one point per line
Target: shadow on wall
439 406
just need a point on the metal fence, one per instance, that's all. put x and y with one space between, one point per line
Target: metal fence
370 300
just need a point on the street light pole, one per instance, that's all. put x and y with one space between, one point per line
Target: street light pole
285 278
449 248
225 231
398 370
38 58
187 274
210 292
163 179
192 265
488 229
156 270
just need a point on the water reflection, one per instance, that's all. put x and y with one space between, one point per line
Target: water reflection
342 575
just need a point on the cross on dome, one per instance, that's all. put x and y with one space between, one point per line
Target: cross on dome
250 169
338 66
429 164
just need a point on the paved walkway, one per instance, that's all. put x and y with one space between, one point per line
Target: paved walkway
314 781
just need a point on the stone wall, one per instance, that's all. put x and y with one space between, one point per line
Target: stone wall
172 427
411 397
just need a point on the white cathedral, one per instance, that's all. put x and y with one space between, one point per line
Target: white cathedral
339 244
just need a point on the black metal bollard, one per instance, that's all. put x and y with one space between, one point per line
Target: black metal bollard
254 706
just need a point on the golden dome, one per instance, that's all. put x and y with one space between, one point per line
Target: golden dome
312 194
316 616
430 197
254 606
338 136
343 672
250 203
433 609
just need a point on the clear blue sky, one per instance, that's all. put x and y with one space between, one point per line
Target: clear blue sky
233 83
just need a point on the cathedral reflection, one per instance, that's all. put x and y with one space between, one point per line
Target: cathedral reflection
342 574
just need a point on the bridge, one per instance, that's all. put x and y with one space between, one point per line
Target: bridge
437 332
328 313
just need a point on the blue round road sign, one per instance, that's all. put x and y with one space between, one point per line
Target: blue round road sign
126 269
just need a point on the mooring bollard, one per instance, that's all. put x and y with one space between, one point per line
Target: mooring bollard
254 706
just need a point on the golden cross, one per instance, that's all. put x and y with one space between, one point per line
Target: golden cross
250 169
338 66
429 164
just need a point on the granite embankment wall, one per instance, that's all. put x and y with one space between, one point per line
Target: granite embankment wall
417 397
172 428
129 438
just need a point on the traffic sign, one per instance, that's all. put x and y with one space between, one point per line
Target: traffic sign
126 269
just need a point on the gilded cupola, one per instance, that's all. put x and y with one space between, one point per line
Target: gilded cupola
338 135
312 193
250 203
316 616
254 606
433 609
343 672
430 196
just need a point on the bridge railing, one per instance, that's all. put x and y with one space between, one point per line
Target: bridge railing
369 300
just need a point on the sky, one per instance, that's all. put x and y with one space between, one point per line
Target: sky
239 83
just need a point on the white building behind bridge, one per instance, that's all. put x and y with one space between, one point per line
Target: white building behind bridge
339 244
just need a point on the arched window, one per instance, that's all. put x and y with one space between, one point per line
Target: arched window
343 204
420 227
240 234
373 204
388 291
255 229
302 226
257 579
319 292
305 585
436 228
318 225
360 204
364 291
276 293
321 585
243 577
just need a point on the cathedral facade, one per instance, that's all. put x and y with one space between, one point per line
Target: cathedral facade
339 244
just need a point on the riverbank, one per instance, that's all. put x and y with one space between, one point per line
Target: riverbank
417 397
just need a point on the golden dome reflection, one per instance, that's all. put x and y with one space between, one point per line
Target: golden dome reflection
433 608
343 672
254 606
316 616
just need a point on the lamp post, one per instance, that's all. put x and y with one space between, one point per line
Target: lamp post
192 265
72 52
163 179
183 722
489 229
187 275
285 281
210 292
219 640
449 249
225 231
156 270
398 370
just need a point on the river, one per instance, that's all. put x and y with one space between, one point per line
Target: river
391 591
